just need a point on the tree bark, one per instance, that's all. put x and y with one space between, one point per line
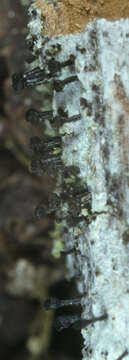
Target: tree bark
94 90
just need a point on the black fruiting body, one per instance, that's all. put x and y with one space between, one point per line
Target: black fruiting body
17 81
36 117
60 120
47 154
59 84
78 192
38 76
55 66
65 321
48 164
73 118
53 303
40 146
29 79
34 77
49 206
63 117
67 252
83 323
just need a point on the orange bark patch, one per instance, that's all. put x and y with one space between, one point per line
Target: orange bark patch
71 16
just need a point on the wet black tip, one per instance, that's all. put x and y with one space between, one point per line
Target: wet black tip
17 81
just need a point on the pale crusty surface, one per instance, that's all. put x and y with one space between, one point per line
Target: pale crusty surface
71 16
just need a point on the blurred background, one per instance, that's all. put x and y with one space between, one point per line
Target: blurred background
28 272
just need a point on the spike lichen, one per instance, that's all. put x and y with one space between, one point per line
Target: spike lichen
95 148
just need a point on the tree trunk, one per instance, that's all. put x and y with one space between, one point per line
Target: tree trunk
91 104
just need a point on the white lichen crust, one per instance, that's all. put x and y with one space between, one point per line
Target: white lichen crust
98 145
35 27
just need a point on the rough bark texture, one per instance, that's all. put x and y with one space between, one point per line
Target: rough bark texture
71 16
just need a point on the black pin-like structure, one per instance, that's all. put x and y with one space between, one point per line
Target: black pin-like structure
65 321
60 120
55 66
79 190
37 117
83 323
38 76
63 117
40 146
59 84
29 79
67 252
46 165
76 191
45 159
54 304
72 118
48 207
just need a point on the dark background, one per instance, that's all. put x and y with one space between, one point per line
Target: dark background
28 271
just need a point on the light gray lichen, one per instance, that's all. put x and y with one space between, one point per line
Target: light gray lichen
98 144
35 26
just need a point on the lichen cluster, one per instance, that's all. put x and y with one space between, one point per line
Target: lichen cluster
88 75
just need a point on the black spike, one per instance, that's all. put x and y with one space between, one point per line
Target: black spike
65 321
55 66
59 84
29 79
34 77
49 206
83 323
17 81
62 117
76 191
52 160
123 355
53 303
71 170
79 190
61 120
73 118
40 146
47 165
36 117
